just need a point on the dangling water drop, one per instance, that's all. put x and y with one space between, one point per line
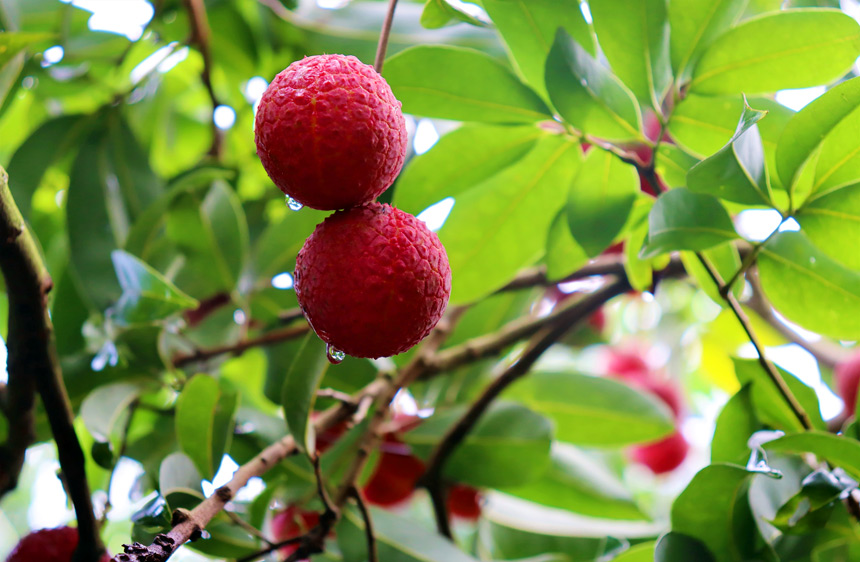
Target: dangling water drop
293 204
333 355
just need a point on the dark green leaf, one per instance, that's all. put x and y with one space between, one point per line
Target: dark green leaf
600 200
106 407
634 36
178 475
483 235
714 509
509 446
528 28
644 552
461 160
587 95
735 424
195 429
675 547
146 295
841 451
770 407
299 392
809 288
683 220
462 84
809 127
563 254
737 171
594 410
787 49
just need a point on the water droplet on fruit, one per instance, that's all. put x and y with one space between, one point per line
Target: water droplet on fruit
333 355
293 204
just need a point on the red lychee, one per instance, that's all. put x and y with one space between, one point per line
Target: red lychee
372 280
627 365
847 378
464 502
48 545
290 523
330 132
662 456
395 476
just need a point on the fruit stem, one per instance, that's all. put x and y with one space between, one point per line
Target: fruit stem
384 36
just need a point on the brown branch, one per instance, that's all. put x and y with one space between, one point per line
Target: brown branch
33 363
384 35
372 550
270 338
200 36
548 335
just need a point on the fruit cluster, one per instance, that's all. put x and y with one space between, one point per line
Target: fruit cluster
668 453
372 280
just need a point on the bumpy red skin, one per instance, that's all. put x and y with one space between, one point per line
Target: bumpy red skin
48 545
372 280
330 132
847 378
662 456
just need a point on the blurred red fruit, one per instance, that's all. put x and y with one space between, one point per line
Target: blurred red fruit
290 523
329 437
847 378
48 545
597 321
662 456
395 476
627 365
464 502
665 391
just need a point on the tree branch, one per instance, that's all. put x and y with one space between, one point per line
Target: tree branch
384 35
270 338
33 364
200 36
549 334
372 550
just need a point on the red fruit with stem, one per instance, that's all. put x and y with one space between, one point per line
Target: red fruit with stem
48 545
290 523
330 132
847 379
372 280
662 456
464 502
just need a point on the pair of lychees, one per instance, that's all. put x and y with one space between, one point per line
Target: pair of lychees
372 280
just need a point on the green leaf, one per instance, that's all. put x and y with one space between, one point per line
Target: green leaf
587 95
634 36
675 547
701 125
483 235
195 427
580 484
146 295
35 155
726 260
563 254
462 159
809 288
178 475
639 271
398 538
840 451
770 407
640 553
462 84
299 392
694 25
714 509
600 200
811 125
439 13
129 164
594 411
672 165
528 29
509 445
106 406
838 162
735 424
832 223
13 42
683 220
786 49
737 171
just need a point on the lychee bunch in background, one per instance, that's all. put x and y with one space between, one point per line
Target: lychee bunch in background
371 280
330 132
48 545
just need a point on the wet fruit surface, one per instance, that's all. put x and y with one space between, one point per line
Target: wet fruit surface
372 280
330 133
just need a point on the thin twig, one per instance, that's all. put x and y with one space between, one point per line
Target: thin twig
334 395
372 550
247 527
32 361
200 36
384 35
542 341
271 548
269 338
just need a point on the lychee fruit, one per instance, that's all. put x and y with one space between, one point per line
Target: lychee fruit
464 502
372 280
48 545
846 375
395 476
664 455
330 132
290 523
